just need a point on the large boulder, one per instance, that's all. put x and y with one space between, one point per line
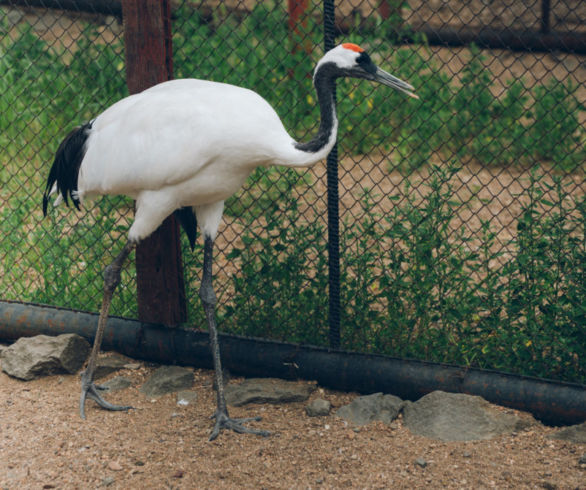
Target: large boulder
168 379
267 390
32 357
459 417
573 433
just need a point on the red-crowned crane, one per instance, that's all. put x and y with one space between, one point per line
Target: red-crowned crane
183 147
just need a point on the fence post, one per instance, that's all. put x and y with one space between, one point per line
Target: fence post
149 54
333 204
297 23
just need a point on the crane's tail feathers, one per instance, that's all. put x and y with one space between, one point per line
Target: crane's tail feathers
188 221
63 175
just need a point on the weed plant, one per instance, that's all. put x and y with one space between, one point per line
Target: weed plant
411 285
414 286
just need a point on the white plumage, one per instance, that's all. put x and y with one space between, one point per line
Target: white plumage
191 144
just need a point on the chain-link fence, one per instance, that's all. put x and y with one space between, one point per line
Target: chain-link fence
461 214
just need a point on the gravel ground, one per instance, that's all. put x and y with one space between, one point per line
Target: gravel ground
44 444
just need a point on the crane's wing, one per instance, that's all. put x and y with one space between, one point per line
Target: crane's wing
180 132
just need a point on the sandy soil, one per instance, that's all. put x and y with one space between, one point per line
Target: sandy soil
44 444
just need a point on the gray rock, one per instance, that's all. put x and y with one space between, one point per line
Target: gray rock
106 482
167 379
421 462
267 390
111 364
318 408
365 409
573 433
117 383
32 357
186 397
459 417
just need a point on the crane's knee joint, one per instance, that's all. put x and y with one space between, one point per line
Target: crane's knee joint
111 277
207 295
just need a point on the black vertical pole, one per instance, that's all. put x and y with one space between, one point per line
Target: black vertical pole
333 210
545 16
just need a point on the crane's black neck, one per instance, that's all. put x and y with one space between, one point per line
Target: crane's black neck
324 82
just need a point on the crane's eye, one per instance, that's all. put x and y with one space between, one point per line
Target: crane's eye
366 63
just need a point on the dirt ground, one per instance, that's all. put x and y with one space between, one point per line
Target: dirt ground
159 444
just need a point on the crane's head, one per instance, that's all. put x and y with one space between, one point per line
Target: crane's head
350 60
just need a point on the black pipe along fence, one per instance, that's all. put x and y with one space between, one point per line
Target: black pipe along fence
552 402
448 229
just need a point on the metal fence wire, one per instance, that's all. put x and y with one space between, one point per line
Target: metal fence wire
461 214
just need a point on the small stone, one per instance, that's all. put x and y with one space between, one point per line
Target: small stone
114 466
132 365
117 383
582 459
110 364
366 409
106 482
185 397
318 408
421 462
178 474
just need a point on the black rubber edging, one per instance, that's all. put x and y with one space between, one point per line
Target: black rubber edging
552 402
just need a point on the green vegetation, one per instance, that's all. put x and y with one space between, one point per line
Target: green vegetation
413 283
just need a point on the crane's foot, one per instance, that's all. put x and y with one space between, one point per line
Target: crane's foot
223 421
91 391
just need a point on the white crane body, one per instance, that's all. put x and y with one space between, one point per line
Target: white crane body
191 144
183 143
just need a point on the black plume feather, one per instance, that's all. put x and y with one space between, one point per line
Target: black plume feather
65 169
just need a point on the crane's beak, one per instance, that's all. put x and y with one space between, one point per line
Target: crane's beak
385 78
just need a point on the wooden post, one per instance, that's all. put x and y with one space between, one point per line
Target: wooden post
297 24
149 55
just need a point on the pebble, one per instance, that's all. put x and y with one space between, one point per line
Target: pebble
106 482
421 462
318 408
114 466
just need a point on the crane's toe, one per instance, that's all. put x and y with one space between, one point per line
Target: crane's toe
90 390
223 421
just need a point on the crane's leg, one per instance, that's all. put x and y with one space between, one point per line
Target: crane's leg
88 388
208 298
